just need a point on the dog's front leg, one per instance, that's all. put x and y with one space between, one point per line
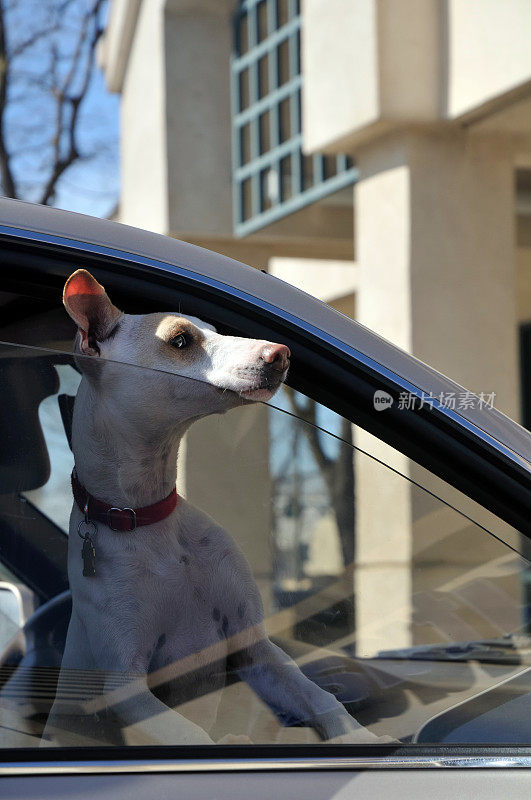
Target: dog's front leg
120 662
272 674
145 720
278 681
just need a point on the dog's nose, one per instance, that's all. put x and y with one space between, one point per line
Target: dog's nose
277 355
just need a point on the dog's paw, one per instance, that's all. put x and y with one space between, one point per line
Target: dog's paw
233 738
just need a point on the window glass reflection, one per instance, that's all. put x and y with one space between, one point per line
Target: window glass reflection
381 604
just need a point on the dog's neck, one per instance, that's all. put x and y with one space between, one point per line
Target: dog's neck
119 459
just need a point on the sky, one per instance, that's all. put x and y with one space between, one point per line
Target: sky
91 185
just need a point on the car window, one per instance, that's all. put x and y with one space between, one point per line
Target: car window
52 499
317 594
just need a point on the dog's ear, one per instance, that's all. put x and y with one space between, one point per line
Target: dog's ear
89 306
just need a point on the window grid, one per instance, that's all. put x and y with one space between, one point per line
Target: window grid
271 176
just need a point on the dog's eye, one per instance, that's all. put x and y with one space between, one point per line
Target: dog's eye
179 341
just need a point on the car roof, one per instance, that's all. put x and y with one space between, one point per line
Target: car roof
266 288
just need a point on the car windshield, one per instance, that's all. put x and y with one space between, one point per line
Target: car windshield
305 560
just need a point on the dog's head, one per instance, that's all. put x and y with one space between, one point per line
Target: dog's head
200 364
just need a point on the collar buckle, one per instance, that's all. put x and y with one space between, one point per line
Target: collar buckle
132 512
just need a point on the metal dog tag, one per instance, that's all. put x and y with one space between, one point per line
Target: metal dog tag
88 551
88 555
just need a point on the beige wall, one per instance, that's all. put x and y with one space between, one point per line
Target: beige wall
115 46
327 280
489 51
383 555
339 61
376 65
435 227
175 143
143 199
368 65
198 45
226 474
435 243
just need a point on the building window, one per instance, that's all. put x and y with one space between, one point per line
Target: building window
271 176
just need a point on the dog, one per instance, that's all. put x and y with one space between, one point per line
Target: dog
175 597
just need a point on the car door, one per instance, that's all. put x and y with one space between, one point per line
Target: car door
388 544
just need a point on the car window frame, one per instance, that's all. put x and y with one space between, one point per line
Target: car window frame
346 378
343 381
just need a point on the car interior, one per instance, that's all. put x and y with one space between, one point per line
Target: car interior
462 695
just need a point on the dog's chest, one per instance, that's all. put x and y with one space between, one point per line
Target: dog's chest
187 659
166 590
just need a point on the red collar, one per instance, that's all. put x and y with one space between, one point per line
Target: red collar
121 519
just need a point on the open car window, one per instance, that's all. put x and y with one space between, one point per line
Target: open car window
402 608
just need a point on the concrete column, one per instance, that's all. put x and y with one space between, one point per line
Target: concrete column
225 472
226 460
198 45
144 192
434 217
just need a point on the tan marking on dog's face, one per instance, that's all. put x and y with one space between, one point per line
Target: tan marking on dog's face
178 339
149 341
231 363
175 331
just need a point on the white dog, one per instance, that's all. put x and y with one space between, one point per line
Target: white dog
173 597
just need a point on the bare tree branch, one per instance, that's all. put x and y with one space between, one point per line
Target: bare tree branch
47 61
307 412
32 40
68 105
338 473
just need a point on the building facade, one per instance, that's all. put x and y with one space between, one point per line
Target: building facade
376 153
